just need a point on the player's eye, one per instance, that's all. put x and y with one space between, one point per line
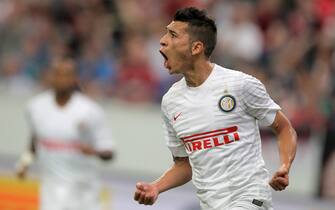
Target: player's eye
172 34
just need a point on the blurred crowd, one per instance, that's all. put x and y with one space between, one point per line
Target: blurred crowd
287 44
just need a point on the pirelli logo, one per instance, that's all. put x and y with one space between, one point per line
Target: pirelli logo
211 139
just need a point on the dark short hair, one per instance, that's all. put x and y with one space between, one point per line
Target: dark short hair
200 26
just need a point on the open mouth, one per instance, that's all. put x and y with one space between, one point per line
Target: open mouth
165 59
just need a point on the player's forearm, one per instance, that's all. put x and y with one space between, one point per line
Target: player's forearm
32 146
180 173
105 155
287 143
287 139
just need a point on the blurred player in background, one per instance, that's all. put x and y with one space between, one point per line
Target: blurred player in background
68 133
211 118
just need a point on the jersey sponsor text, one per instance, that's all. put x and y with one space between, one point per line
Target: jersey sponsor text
211 139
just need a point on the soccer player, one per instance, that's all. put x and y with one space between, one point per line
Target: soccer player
211 121
68 133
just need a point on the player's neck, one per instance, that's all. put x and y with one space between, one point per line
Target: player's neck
198 74
62 98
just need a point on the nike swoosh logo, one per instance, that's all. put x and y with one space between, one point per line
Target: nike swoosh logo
176 116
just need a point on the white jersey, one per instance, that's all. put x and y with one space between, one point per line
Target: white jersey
216 126
65 171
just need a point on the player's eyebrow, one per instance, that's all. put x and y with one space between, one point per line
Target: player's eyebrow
171 31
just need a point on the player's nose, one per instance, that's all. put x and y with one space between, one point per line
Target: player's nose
163 42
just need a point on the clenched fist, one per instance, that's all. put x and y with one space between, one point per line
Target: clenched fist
146 193
280 179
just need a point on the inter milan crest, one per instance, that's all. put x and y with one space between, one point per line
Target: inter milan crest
227 103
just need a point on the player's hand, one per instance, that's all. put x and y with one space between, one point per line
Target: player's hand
146 193
21 172
87 149
280 179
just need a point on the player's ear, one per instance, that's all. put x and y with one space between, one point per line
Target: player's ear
197 48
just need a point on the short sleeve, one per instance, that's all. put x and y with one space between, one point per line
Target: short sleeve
257 102
99 131
175 145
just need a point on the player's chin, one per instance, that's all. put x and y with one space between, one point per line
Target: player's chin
170 70
173 70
